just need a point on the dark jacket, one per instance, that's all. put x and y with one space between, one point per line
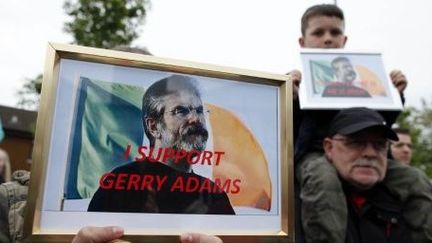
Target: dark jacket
178 192
375 216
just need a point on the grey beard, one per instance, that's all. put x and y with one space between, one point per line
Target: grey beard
198 143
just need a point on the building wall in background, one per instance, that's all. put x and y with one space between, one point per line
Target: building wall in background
19 126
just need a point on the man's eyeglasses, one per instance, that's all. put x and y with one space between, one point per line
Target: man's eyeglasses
380 145
183 111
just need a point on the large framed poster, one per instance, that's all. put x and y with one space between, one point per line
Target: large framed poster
160 147
337 79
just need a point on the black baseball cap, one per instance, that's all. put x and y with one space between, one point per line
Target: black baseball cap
352 120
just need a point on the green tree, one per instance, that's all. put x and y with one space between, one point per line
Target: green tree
30 93
104 23
95 23
419 122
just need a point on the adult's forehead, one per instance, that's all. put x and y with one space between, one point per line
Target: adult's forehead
403 136
182 97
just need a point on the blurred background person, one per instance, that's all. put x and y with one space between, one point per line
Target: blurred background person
402 150
5 167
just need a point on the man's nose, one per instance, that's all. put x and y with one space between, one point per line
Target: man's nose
193 116
370 151
406 148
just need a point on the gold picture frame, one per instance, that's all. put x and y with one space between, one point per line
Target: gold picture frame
62 185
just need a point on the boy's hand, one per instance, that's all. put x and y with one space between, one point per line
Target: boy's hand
399 80
295 78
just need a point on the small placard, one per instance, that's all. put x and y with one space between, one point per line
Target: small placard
336 79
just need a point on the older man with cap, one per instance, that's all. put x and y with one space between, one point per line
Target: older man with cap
357 146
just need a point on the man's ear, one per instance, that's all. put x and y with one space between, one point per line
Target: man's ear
152 127
301 41
327 145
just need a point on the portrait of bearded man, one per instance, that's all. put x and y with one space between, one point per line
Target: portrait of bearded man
174 120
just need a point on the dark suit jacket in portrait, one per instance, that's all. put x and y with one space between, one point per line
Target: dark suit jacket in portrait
342 89
171 196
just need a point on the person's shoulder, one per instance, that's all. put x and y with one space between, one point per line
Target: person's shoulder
331 89
335 84
218 200
219 192
21 177
18 184
406 176
127 167
142 167
200 177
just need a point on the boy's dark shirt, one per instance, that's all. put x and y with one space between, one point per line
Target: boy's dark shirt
163 201
344 89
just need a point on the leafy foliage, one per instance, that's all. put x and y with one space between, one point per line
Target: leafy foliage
104 23
419 122
95 23
30 93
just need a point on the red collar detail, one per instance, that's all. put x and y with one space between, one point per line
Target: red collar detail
358 200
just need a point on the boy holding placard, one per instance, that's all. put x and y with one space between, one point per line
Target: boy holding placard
323 205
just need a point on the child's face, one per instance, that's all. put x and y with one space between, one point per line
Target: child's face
324 32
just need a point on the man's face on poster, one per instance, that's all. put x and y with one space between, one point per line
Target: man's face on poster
344 71
183 124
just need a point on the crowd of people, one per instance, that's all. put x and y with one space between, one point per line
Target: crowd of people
326 187
353 178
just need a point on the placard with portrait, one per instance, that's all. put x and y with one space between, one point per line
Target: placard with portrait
160 147
335 79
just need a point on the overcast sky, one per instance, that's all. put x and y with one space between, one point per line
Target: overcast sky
252 34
